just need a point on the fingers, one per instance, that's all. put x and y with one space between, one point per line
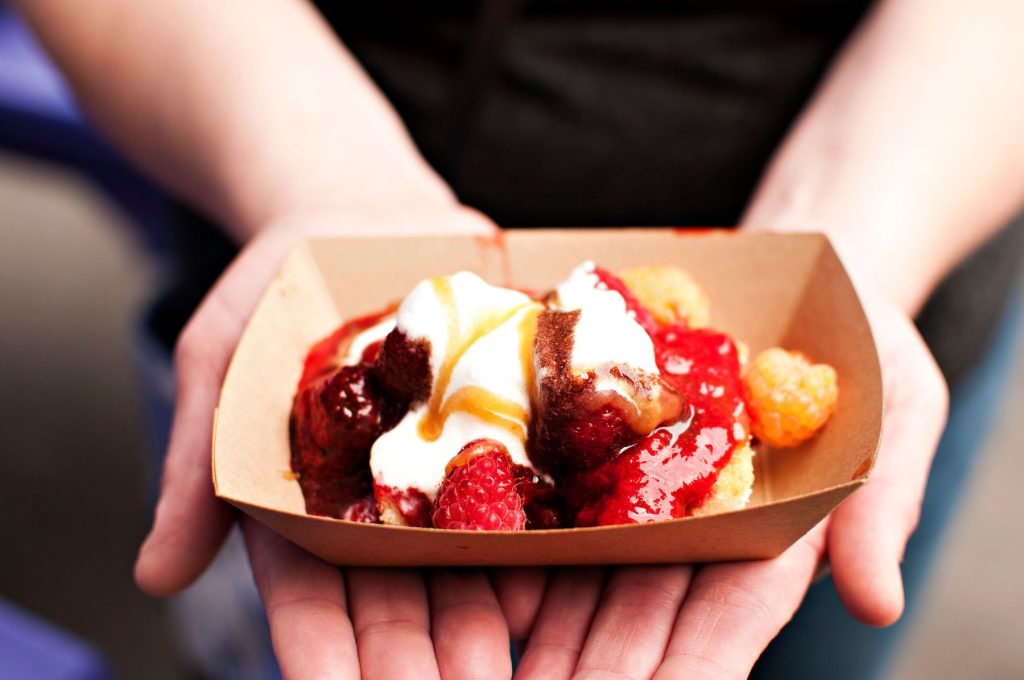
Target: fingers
562 623
392 624
519 592
304 598
190 523
870 530
471 639
732 611
633 622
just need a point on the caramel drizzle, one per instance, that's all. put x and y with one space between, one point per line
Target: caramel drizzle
527 335
473 399
486 406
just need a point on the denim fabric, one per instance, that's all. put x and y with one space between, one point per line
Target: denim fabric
822 640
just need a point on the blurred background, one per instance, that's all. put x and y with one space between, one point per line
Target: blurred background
81 243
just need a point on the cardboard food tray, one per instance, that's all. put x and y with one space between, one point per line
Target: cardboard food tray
765 289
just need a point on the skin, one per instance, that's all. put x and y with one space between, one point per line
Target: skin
909 156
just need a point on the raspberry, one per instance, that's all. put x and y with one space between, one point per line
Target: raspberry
334 421
788 396
671 295
479 491
597 437
352 411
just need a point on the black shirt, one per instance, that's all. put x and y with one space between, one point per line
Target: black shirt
628 112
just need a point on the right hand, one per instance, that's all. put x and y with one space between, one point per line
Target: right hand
325 623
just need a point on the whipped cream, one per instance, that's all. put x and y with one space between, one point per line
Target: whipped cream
401 459
457 310
423 314
605 334
475 332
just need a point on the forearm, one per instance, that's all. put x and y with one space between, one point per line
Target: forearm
249 109
912 151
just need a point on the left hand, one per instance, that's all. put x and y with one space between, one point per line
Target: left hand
324 622
715 620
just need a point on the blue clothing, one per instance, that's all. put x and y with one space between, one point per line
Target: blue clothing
822 640
32 649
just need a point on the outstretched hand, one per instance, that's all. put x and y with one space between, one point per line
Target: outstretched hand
715 620
660 621
324 623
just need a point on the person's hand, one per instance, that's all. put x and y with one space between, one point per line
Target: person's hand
324 623
715 620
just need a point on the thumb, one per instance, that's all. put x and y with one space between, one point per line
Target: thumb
869 532
190 522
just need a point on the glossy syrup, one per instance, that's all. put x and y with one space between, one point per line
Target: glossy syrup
482 403
671 471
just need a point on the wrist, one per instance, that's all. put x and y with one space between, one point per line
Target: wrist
296 199
877 241
385 219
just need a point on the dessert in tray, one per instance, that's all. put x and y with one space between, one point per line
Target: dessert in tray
606 400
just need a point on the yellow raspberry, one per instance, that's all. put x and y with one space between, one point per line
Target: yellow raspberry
670 293
788 396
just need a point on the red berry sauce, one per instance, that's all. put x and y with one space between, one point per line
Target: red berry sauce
363 510
541 501
337 414
413 505
326 355
672 470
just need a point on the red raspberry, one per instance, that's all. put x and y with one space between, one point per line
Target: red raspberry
479 491
352 411
334 422
598 437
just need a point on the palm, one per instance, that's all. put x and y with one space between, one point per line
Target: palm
635 621
674 621
324 622
376 623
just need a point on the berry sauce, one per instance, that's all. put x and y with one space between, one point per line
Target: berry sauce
412 504
606 469
326 355
671 471
337 414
